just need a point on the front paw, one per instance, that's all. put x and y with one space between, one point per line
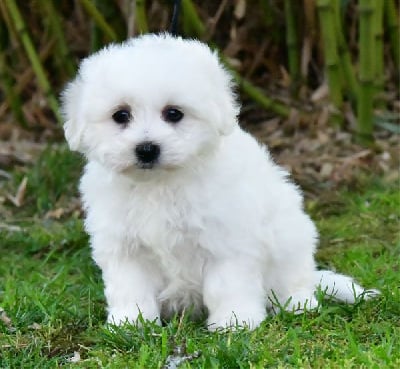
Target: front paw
235 319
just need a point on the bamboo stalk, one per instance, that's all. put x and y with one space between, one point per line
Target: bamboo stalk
95 37
140 16
13 99
7 82
18 54
309 36
332 64
6 78
99 20
33 57
192 23
379 50
27 75
349 75
63 55
258 95
247 87
366 73
268 12
292 43
392 21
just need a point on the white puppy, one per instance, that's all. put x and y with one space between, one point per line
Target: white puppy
184 209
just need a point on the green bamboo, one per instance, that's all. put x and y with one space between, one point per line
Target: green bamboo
268 12
292 42
140 16
258 95
366 72
379 50
349 75
192 24
7 81
13 99
197 27
28 74
332 64
16 54
33 57
99 20
309 33
63 55
392 21
95 37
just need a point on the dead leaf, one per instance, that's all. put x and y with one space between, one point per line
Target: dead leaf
10 228
55 214
5 174
4 318
305 56
35 326
321 93
326 170
240 9
285 80
18 199
359 155
323 118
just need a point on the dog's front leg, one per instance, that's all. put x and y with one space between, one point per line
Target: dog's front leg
234 294
131 289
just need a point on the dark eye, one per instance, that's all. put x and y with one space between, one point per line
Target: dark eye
172 115
122 116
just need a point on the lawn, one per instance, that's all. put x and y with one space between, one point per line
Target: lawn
53 308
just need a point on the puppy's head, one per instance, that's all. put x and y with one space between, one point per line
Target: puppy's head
151 102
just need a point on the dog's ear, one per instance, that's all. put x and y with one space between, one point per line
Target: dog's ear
229 109
71 106
228 105
226 101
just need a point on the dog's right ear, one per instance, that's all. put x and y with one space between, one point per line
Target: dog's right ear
71 107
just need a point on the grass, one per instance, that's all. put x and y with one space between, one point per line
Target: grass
54 307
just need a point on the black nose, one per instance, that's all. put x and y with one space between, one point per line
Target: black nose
147 152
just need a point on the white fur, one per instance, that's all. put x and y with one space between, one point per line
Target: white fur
215 223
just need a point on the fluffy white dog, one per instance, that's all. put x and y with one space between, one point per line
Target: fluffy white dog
184 209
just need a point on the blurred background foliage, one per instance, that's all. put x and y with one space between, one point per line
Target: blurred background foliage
307 61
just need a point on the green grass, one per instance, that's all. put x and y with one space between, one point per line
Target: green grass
53 294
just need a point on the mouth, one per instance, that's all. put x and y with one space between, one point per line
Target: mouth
146 166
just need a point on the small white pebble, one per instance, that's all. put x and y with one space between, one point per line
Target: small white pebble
75 358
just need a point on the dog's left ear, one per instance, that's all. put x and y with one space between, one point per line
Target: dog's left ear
73 126
229 109
227 103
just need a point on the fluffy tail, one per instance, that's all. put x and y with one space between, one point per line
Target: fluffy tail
342 287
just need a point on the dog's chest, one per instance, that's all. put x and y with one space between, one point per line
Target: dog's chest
161 221
164 227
